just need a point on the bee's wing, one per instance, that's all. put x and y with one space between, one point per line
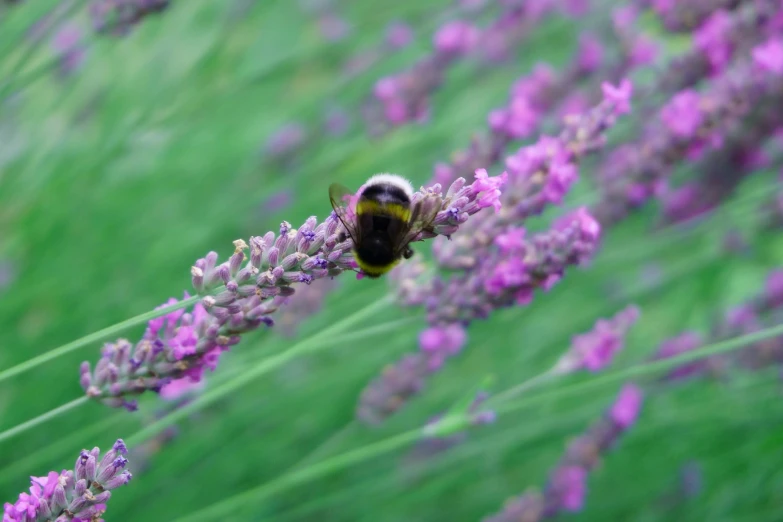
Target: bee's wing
340 197
421 219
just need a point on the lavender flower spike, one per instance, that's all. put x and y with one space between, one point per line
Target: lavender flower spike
567 486
246 289
596 349
73 496
277 262
176 346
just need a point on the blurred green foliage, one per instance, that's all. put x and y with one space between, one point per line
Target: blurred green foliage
115 179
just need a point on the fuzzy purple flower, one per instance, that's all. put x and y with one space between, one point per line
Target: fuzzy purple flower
713 39
774 289
595 349
456 37
677 345
73 496
682 115
688 126
496 263
569 483
398 35
566 489
69 48
769 56
626 408
591 53
441 342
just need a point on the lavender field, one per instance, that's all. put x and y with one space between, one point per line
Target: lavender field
590 327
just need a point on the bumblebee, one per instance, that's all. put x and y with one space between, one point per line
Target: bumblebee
384 222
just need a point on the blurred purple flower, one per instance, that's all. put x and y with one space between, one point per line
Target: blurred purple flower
713 39
567 486
333 27
457 37
441 342
337 121
286 141
569 483
626 408
677 345
178 388
769 56
591 52
595 349
774 288
681 115
67 45
398 35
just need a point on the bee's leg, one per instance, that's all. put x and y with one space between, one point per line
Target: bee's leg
407 253
341 237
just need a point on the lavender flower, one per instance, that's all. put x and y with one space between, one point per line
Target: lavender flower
689 125
539 175
716 41
117 17
73 496
742 319
176 346
567 487
398 35
247 289
283 145
405 97
685 15
596 349
389 392
679 344
69 48
496 264
531 98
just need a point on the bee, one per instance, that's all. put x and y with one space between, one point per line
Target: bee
384 222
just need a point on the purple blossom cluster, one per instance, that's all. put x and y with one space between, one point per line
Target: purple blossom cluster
595 349
405 97
756 313
175 350
78 495
567 486
532 97
691 124
687 15
241 293
496 264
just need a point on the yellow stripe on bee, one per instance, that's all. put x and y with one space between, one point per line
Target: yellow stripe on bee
374 270
368 206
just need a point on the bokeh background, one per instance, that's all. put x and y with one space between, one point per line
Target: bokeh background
123 158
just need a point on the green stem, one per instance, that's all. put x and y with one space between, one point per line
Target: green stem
648 368
32 461
311 344
28 54
524 386
94 337
318 452
338 462
32 423
321 469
